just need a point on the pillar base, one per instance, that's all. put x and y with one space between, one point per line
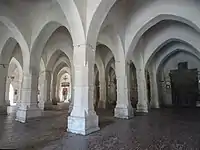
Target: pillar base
102 104
124 112
155 106
24 113
48 105
8 102
3 110
83 125
142 108
70 108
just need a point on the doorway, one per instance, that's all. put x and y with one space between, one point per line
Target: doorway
184 85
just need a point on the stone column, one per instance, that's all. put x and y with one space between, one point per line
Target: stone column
123 108
154 90
47 90
28 107
72 95
53 89
83 119
3 78
142 105
102 101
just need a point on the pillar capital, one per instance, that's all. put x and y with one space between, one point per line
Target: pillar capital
85 45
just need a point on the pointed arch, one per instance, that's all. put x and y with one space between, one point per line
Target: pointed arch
165 10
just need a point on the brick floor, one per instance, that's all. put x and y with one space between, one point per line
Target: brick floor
167 129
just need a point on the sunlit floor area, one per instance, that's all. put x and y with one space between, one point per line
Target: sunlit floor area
160 129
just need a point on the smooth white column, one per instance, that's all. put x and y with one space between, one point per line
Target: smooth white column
3 78
83 119
123 108
154 90
142 105
28 107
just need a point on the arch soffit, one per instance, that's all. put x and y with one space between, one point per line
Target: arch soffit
66 49
97 19
18 67
63 71
42 65
57 70
111 64
76 27
109 37
43 36
173 50
17 35
170 48
100 66
145 22
183 35
54 61
59 65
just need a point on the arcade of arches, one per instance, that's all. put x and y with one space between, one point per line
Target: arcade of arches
124 56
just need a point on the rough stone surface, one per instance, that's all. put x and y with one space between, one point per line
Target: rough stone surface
171 129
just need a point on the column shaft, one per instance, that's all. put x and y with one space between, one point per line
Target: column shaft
28 107
102 101
154 90
83 119
142 105
3 78
123 109
47 91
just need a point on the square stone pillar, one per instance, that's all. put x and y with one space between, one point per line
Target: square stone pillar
8 81
102 100
142 105
47 91
83 119
123 109
28 107
3 79
71 102
154 90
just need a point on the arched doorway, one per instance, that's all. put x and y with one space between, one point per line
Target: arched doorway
64 88
178 81
13 83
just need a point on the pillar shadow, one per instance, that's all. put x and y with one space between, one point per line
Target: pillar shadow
106 117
